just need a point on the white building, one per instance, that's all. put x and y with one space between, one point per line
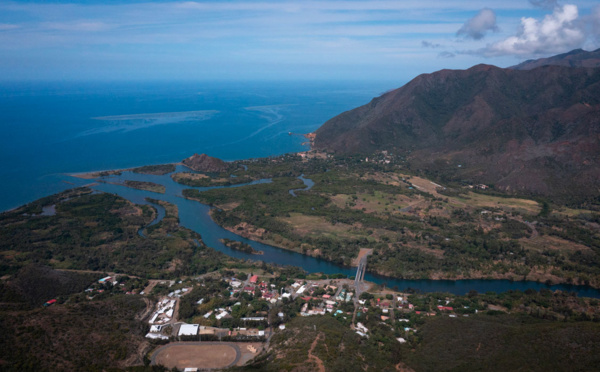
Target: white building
188 330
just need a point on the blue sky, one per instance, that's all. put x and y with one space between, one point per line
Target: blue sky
282 40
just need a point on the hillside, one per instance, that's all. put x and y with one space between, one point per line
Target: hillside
205 163
574 58
535 131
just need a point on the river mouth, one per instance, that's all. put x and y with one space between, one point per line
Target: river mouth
196 217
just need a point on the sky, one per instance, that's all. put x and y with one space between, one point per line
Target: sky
282 40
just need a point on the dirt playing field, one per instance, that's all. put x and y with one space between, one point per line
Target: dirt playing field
197 354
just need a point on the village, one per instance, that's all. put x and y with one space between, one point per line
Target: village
253 307
235 313
237 316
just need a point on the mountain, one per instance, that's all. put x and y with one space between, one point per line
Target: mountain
205 163
536 131
574 58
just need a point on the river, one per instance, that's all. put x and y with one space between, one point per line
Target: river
195 216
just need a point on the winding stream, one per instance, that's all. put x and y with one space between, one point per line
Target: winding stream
307 182
195 216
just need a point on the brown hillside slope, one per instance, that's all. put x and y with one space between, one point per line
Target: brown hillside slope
535 131
205 163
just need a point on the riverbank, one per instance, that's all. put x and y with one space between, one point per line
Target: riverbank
354 205
256 234
415 234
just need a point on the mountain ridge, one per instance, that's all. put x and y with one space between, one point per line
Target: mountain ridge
574 58
535 131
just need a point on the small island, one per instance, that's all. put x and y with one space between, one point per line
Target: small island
145 185
240 246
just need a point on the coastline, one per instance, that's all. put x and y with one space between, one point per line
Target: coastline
252 233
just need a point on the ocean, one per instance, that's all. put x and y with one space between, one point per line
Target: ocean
51 129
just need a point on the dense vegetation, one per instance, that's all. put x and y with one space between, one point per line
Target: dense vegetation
158 169
240 246
505 343
144 185
533 331
416 230
100 232
33 285
333 342
91 336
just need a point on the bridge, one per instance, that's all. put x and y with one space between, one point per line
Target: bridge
360 275
359 285
361 262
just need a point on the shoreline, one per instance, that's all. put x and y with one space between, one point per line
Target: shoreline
534 276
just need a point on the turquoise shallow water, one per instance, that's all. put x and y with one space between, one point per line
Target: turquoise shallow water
49 129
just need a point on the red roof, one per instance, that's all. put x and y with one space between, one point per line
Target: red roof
51 302
253 278
445 308
307 298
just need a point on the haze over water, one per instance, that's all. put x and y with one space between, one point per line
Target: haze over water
50 129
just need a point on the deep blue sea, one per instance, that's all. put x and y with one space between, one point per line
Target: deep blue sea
53 129
50 129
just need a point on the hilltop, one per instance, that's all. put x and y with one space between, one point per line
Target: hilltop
205 163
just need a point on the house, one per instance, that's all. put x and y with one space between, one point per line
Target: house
51 302
156 336
254 318
361 327
254 279
445 308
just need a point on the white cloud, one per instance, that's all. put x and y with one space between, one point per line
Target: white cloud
557 32
476 27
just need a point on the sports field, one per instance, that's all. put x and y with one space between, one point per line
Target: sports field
199 355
